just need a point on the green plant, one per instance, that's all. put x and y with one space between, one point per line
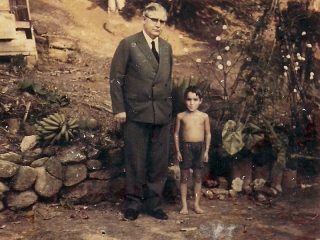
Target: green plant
55 129
236 136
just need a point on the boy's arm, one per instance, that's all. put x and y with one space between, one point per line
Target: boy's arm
177 137
207 137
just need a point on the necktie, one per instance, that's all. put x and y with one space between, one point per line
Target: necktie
155 53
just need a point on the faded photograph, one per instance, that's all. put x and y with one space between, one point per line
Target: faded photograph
168 119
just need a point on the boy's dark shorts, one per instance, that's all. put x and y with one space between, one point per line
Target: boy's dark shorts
192 155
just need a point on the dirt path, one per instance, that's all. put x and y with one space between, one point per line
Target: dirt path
292 215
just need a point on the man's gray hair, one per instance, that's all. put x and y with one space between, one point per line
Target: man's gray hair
151 7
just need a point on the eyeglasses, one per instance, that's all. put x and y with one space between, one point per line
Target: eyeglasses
155 20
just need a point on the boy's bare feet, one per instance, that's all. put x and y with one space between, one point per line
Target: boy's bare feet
198 210
184 211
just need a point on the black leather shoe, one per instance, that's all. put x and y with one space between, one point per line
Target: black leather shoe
131 214
158 214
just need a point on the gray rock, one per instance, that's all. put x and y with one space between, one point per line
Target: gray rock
93 164
174 174
258 183
219 191
260 197
54 167
106 174
28 142
233 193
40 29
50 151
39 162
87 192
29 156
115 157
105 141
7 169
20 200
13 125
24 178
237 184
74 174
62 42
46 185
11 157
3 187
73 154
92 152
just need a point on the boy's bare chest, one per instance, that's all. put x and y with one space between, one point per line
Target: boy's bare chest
192 122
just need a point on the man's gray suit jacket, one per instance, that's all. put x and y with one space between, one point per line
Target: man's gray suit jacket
139 85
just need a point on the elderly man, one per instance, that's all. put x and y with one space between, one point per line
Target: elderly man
140 87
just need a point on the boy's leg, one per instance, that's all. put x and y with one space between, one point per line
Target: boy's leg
197 175
184 189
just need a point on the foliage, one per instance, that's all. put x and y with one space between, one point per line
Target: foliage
280 143
297 34
88 123
259 73
252 135
232 137
236 136
52 97
200 18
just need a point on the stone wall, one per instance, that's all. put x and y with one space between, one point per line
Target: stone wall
76 174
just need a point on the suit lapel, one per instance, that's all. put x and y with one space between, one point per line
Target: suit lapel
143 45
162 52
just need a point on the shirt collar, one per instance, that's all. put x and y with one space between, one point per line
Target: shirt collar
149 40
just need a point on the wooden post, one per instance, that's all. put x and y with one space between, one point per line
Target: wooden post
4 6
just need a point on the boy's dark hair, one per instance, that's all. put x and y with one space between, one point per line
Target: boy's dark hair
193 89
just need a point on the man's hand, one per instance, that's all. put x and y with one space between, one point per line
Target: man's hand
120 117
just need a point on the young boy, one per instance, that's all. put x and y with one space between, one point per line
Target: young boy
192 138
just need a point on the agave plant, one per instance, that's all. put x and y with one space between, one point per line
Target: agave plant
55 129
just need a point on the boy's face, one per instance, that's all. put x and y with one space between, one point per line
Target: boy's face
192 101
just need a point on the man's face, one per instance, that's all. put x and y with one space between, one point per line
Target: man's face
153 23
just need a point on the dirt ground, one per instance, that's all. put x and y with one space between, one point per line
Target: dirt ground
292 215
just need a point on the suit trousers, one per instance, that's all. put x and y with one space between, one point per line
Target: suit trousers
146 150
